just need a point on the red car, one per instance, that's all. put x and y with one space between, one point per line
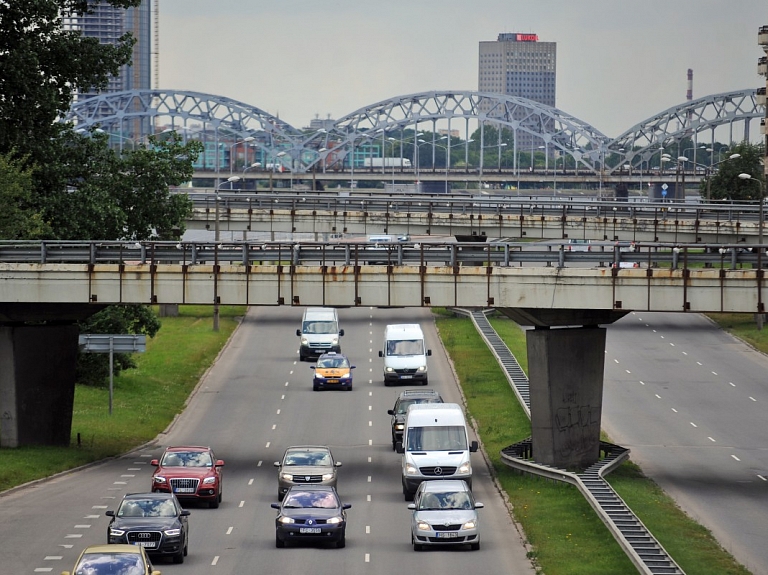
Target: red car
189 472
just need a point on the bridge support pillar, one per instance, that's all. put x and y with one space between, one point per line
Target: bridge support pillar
566 388
37 384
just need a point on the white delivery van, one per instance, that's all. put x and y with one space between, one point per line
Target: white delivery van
435 445
405 354
319 332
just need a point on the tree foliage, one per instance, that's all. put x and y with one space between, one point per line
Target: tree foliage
17 220
725 184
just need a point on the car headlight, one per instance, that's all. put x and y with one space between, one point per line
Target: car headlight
172 532
209 480
399 426
470 525
334 520
287 476
422 368
304 341
116 532
389 369
319 376
335 341
465 467
423 526
410 469
327 476
159 479
345 375
286 520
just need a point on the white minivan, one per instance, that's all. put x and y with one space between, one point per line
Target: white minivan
405 354
319 332
435 446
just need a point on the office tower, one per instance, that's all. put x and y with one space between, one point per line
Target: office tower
519 65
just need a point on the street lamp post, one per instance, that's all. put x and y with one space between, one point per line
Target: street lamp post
760 219
231 180
231 159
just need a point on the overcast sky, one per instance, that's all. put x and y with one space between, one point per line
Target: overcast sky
619 62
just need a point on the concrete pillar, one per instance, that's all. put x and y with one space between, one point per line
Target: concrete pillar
566 389
37 384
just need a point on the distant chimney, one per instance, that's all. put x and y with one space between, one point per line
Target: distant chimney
689 93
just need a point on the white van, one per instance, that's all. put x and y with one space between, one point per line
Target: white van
435 445
405 354
319 332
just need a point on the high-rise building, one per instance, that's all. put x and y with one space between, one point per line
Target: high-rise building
519 65
108 24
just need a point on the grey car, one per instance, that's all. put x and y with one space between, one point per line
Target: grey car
306 465
444 513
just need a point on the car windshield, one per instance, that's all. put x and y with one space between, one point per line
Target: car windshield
310 458
311 499
319 327
402 407
457 500
110 564
187 459
438 438
147 508
338 361
405 347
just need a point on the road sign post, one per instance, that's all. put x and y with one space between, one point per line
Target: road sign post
111 344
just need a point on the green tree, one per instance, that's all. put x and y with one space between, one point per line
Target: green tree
725 183
17 218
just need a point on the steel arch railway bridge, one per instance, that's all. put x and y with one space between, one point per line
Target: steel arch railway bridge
392 129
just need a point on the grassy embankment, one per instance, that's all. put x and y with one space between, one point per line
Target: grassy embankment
564 532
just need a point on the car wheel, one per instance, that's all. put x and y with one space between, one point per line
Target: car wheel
475 546
341 543
179 557
279 543
416 546
425 382
280 496
315 387
214 503
386 383
348 388
186 549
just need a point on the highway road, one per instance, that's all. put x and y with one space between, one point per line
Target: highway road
690 402
254 402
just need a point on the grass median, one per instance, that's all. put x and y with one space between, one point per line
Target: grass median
566 536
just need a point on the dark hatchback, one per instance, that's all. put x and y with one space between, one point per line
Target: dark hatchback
154 521
311 514
405 399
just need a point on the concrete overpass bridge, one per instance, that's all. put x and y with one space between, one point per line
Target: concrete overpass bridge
567 296
325 215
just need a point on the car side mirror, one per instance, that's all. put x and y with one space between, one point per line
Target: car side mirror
352 366
277 464
381 353
185 513
399 447
390 412
274 505
154 462
298 332
411 506
341 332
312 367
346 506
473 446
219 463
429 352
337 464
478 505
110 513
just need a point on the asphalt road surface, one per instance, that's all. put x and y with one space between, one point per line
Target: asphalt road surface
690 401
256 401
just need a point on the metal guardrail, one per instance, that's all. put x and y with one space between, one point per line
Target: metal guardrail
440 254
645 552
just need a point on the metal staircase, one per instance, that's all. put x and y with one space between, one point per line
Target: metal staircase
645 552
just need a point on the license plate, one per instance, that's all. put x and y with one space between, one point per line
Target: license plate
446 535
406 377
331 381
309 530
184 490
147 544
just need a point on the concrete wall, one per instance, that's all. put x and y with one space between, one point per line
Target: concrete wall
37 384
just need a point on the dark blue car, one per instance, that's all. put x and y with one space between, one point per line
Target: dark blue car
312 514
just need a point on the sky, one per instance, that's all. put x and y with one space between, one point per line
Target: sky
619 62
